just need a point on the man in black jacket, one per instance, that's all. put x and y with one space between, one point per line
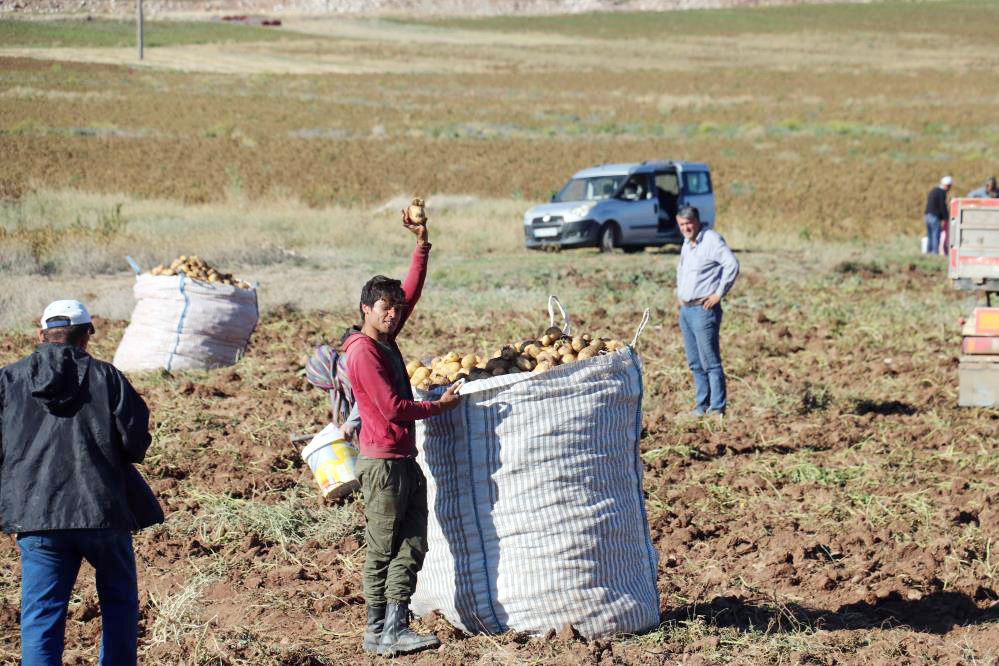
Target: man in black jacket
936 214
70 428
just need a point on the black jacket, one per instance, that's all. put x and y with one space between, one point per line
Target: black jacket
70 427
936 203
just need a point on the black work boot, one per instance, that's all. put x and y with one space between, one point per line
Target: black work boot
373 630
397 637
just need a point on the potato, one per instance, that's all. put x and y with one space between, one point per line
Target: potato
468 361
416 211
563 350
412 366
508 353
451 368
451 357
546 357
614 345
586 353
542 366
524 362
578 343
499 370
419 375
481 365
494 363
546 340
568 358
424 385
532 350
586 337
597 345
553 331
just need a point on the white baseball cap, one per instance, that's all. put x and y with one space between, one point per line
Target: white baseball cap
946 180
65 313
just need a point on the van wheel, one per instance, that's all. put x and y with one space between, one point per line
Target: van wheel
608 237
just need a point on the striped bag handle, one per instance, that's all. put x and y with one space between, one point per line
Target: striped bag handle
553 302
641 327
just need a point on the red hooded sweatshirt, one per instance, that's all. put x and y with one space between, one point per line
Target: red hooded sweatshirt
380 383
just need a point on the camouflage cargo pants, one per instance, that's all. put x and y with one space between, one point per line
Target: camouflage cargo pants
395 513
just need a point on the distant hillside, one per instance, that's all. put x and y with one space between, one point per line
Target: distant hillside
371 7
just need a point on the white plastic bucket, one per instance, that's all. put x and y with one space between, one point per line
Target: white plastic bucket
924 244
332 459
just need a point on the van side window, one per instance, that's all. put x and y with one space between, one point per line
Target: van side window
696 182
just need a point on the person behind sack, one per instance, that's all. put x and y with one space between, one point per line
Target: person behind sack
986 191
70 427
706 271
394 488
936 213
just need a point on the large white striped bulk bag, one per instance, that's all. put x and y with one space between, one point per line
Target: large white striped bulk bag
537 516
182 323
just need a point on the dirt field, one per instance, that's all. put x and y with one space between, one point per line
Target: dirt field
843 512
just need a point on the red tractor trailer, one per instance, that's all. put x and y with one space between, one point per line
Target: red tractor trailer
973 265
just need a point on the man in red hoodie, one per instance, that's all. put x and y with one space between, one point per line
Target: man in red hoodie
395 490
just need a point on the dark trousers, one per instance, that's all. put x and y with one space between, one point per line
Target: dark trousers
50 562
395 513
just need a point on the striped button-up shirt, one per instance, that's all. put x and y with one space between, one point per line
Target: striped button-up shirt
709 267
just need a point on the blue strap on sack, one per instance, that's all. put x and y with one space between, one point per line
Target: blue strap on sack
180 321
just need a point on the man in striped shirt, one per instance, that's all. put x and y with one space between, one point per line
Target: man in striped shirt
706 272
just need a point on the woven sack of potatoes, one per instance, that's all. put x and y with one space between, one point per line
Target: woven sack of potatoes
181 321
537 515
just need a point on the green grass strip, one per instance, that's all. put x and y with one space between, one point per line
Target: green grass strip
113 33
975 19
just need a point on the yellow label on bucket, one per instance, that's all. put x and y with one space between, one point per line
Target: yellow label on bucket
331 459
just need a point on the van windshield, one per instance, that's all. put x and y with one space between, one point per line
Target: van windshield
590 189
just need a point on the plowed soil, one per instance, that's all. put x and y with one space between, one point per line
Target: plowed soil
844 511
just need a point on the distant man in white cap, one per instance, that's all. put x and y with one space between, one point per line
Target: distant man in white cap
70 428
936 214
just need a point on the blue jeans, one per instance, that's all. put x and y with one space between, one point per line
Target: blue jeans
932 233
50 561
700 329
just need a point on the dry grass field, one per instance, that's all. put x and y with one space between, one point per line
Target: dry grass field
845 510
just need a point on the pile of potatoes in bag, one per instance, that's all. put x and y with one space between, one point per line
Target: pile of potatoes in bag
197 268
535 356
